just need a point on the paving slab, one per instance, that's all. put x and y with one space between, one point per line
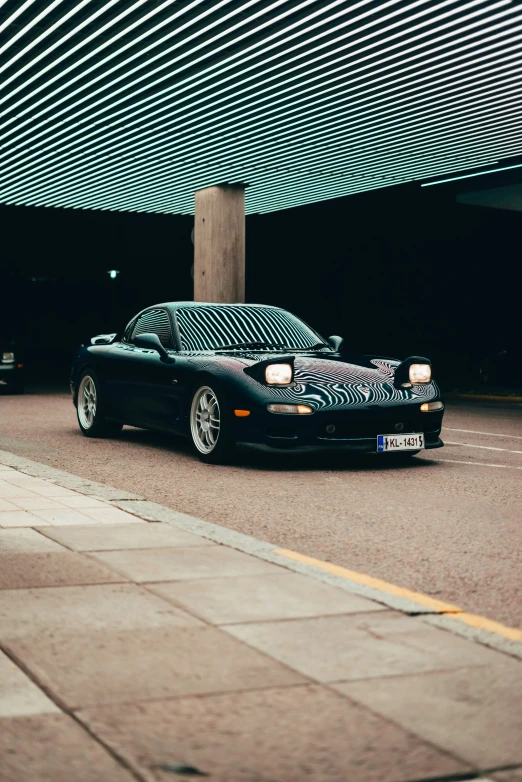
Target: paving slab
54 748
109 515
63 611
155 663
82 501
8 490
8 505
124 536
261 598
48 489
20 518
37 502
275 735
383 643
511 775
176 564
474 713
64 517
22 479
19 696
18 571
26 541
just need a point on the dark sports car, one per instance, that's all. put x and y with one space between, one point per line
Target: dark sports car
222 374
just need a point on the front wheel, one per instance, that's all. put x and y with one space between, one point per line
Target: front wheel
210 426
90 409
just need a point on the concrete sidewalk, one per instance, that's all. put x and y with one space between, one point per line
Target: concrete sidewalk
133 648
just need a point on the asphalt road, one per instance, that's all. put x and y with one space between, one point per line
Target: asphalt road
449 523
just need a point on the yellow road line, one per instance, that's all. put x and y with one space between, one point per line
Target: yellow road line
482 623
423 601
370 581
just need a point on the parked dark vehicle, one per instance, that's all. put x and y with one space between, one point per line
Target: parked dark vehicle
11 365
227 373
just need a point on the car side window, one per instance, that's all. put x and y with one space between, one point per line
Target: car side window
154 322
127 334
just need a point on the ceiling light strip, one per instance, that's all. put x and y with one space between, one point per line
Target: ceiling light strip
5 169
408 142
321 122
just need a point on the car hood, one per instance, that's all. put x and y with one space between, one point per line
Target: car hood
331 380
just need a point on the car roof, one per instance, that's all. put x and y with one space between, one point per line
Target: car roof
174 305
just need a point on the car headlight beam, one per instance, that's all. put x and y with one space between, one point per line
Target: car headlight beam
279 374
420 373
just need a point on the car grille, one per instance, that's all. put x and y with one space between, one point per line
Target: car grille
365 425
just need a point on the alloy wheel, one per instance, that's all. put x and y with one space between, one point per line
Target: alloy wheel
205 420
87 400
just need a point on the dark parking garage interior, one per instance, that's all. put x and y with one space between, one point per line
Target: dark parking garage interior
401 271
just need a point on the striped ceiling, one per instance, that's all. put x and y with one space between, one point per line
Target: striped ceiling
134 104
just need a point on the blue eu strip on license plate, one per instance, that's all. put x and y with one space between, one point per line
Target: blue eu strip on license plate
380 443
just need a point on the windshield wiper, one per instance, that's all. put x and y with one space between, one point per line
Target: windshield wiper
318 346
253 345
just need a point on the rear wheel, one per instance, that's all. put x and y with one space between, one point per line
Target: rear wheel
210 426
91 410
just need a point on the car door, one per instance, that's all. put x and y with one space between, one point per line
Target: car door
144 384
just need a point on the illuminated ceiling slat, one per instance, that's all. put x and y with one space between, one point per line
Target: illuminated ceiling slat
436 118
286 62
139 141
112 104
32 146
480 123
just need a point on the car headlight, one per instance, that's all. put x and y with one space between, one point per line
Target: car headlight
8 357
420 373
278 374
428 407
292 409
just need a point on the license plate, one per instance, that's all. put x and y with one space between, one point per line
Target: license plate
399 442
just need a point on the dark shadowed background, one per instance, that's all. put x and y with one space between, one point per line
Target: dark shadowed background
399 271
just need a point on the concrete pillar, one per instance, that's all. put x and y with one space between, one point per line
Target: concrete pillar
219 244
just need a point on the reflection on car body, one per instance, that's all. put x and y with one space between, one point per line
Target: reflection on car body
222 374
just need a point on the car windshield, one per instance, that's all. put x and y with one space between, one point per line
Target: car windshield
243 328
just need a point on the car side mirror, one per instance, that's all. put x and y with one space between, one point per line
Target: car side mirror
152 342
336 342
103 339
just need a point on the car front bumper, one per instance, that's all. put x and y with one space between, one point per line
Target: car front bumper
354 430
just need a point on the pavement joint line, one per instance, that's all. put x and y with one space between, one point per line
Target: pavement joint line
444 615
438 606
463 776
120 760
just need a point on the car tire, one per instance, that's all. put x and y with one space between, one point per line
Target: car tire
210 421
90 408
